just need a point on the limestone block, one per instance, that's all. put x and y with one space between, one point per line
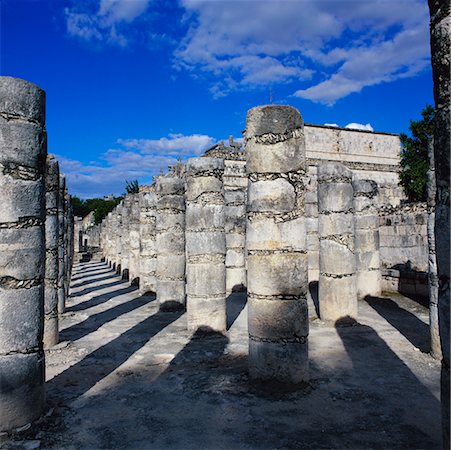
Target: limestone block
235 258
205 217
166 243
205 243
369 282
235 240
22 394
336 258
282 319
336 224
171 267
201 185
276 196
205 279
367 240
277 274
337 297
335 197
208 314
267 360
235 278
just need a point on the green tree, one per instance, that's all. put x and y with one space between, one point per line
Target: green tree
100 206
131 187
414 156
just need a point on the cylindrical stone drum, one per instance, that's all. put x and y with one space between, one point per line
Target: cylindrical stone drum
22 251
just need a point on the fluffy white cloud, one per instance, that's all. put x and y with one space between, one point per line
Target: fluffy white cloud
103 23
344 45
359 126
137 159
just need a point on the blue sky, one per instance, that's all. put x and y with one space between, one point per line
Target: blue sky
134 84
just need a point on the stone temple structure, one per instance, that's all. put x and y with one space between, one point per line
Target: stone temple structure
294 206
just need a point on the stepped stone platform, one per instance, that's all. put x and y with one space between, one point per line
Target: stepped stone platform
128 376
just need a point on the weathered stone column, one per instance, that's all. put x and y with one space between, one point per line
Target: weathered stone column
337 282
61 245
436 349
235 185
276 244
118 235
311 223
51 254
366 229
440 12
135 240
67 268
170 241
22 251
205 245
148 253
125 238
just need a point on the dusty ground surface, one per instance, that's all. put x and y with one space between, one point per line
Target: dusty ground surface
129 377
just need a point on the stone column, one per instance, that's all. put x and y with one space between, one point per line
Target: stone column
235 185
366 229
337 284
135 240
170 241
67 268
276 245
440 24
148 254
436 350
205 245
22 251
125 238
311 222
61 245
51 254
118 235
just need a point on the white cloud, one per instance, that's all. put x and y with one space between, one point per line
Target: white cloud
102 25
138 159
359 126
343 46
332 125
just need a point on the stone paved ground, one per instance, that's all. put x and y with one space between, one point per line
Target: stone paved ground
129 377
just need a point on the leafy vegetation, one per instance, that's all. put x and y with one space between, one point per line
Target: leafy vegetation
100 206
132 187
414 156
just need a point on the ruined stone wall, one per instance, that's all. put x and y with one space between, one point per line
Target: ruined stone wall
404 248
134 239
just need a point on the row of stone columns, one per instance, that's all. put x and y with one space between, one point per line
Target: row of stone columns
35 251
193 224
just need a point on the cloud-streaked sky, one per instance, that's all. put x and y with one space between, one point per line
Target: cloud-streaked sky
134 84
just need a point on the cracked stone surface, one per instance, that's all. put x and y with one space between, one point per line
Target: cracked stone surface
127 376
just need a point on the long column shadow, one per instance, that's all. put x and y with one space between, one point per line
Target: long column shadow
83 375
409 325
90 289
86 280
99 299
94 322
79 275
373 360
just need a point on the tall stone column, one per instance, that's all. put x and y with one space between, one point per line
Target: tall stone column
170 241
61 246
125 237
436 349
148 253
205 245
51 255
440 28
135 240
337 281
67 266
235 185
311 222
276 245
118 234
22 251
366 229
